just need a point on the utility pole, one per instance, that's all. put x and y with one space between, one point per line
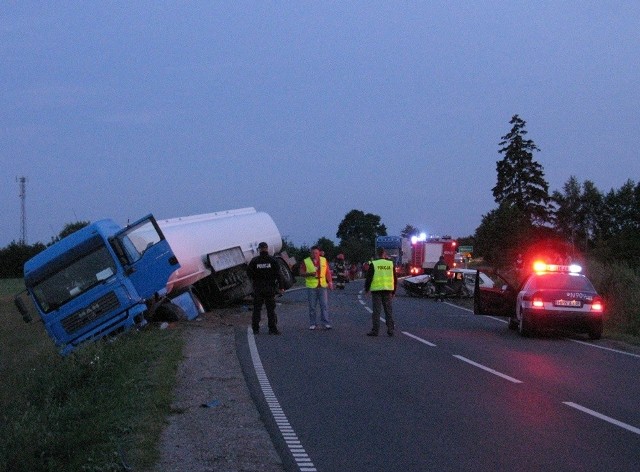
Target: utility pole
23 215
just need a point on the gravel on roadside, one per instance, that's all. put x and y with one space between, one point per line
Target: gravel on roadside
215 425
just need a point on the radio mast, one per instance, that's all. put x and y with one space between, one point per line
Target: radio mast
23 215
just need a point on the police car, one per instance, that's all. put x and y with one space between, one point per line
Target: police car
551 297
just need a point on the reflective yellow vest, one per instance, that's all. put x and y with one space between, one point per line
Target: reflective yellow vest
382 275
316 281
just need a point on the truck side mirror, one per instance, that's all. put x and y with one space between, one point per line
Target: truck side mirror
22 304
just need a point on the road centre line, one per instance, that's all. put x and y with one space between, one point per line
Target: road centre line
574 340
423 341
633 429
483 367
613 421
464 359
291 439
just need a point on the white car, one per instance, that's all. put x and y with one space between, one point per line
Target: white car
461 283
468 277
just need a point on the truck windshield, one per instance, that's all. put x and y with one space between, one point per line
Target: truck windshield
73 279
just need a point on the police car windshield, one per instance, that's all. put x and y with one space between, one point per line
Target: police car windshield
562 281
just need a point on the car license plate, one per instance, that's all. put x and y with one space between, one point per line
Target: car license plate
569 303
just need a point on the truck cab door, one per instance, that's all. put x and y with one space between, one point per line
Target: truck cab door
146 256
499 300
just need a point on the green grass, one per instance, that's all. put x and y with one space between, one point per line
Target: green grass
102 408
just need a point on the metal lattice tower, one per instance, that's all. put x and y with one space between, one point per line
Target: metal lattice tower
23 214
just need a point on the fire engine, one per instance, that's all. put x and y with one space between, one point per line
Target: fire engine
426 252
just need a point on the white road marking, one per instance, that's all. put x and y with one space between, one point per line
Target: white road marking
288 434
418 339
495 372
605 348
574 340
633 429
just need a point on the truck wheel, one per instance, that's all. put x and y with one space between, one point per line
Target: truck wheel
286 273
169 312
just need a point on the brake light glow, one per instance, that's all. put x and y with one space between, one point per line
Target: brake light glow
597 305
537 303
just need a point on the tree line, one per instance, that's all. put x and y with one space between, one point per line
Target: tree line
575 221
13 257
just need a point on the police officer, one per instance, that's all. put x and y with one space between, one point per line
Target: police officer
267 280
381 281
440 277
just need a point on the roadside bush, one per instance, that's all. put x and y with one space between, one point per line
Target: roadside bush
619 285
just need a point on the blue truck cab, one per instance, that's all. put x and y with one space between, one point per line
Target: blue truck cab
97 281
396 247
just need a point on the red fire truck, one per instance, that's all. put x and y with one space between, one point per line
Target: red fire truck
425 253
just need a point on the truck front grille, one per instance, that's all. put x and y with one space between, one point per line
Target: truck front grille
87 315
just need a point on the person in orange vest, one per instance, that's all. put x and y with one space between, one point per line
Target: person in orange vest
318 280
381 280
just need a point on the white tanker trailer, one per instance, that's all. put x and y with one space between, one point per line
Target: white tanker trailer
104 278
214 249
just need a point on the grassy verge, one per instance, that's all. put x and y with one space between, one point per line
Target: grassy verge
100 409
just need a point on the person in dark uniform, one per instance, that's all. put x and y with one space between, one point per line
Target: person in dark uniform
381 280
340 268
267 281
439 275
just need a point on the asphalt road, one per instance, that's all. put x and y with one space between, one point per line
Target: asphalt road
451 391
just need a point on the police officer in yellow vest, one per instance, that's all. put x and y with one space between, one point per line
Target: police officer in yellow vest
381 281
318 279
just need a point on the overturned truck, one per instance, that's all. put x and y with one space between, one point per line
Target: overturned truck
105 279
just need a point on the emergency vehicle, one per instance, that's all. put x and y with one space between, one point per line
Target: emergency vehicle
552 296
426 252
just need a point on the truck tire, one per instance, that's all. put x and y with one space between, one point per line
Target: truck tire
286 273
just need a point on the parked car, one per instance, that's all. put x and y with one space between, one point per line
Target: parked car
551 297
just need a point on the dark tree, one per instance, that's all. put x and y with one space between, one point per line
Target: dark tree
358 232
569 218
502 233
68 229
13 257
592 202
328 247
409 231
521 180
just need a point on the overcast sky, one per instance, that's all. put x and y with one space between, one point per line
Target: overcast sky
306 110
